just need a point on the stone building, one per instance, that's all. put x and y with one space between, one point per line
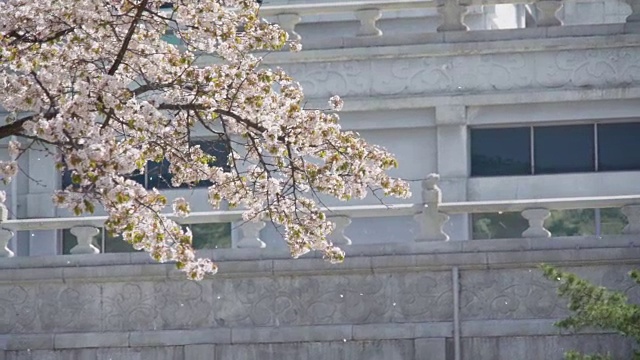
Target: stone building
527 110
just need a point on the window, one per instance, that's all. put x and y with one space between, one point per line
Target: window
500 152
157 174
618 147
556 149
205 236
562 149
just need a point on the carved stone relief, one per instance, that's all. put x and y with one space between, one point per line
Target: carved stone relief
512 294
409 297
473 73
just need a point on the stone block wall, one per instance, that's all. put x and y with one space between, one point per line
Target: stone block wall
386 302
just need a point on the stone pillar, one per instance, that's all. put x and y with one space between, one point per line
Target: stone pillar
251 235
453 13
429 218
547 10
46 179
288 22
368 19
85 235
632 212
635 12
536 218
5 235
453 163
337 237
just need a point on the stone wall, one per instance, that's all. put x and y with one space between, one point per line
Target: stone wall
474 299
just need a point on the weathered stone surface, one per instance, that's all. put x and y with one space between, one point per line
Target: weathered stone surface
543 347
398 297
199 352
463 74
349 350
510 294
430 349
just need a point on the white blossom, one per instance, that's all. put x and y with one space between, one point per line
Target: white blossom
99 86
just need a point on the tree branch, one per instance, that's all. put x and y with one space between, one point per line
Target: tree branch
127 38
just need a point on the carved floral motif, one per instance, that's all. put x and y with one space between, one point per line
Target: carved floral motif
16 309
363 299
471 73
182 304
129 309
517 294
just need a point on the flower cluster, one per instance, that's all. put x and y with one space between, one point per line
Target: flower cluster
97 81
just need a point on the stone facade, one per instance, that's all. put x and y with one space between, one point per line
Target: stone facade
479 300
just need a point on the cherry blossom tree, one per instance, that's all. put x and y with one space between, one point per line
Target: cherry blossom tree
97 82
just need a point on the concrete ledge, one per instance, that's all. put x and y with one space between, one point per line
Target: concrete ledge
180 337
22 342
292 334
402 331
510 328
375 258
464 43
90 340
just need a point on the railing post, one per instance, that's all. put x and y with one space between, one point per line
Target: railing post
632 212
453 13
288 22
429 218
5 234
635 11
84 235
547 12
368 19
536 219
251 235
337 236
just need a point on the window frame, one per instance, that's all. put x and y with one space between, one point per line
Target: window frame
596 146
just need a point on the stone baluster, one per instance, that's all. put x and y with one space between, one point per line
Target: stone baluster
536 218
429 218
632 212
5 234
251 235
635 11
368 19
337 236
453 13
84 235
547 12
288 22
5 237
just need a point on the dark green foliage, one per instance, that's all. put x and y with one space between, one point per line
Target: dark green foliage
596 306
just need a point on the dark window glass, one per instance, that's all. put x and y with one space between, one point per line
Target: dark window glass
564 149
66 179
619 147
215 148
500 152
158 175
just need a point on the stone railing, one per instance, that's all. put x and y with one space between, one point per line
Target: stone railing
431 216
451 12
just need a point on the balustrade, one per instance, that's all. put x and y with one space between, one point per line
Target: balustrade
430 216
451 12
